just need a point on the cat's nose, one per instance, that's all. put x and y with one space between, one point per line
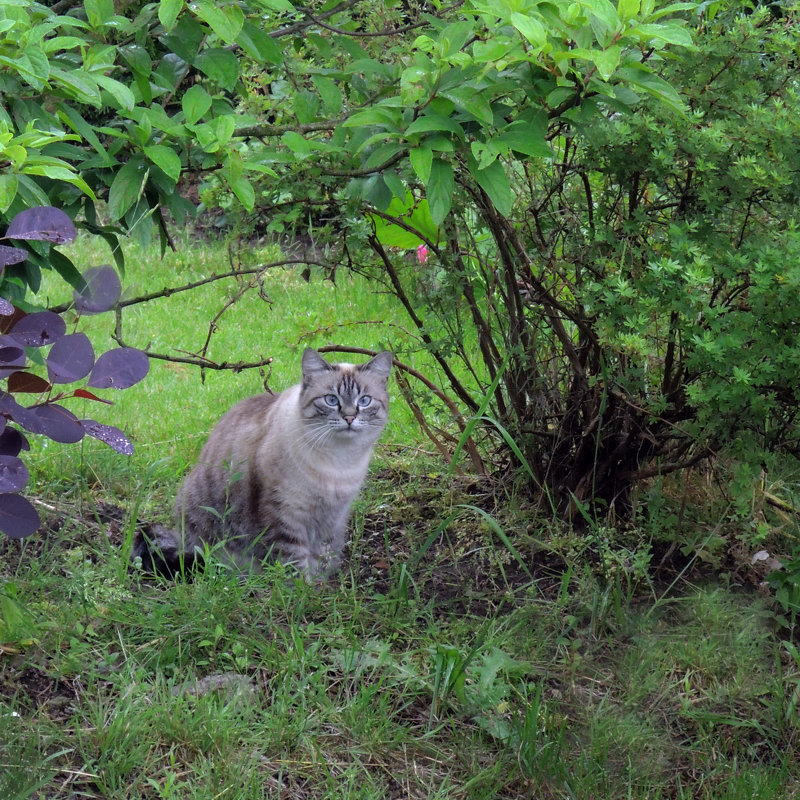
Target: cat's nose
348 418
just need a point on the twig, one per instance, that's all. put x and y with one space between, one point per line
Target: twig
405 389
290 30
168 291
364 34
408 228
261 130
462 393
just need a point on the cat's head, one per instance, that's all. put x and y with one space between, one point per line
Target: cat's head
346 400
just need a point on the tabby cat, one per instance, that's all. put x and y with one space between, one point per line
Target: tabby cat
278 473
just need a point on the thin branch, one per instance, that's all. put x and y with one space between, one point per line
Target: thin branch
360 173
261 130
405 390
364 34
212 327
168 291
297 27
397 287
408 228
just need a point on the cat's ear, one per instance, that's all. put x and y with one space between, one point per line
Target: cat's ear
380 365
314 363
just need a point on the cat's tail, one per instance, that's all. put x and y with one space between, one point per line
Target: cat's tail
162 552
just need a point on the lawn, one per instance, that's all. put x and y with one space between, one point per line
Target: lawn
470 648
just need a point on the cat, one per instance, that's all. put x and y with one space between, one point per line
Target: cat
278 474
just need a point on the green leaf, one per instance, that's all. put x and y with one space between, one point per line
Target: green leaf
243 189
22 66
306 106
472 102
168 11
628 9
258 45
37 58
440 188
434 122
66 269
99 12
604 11
127 187
276 5
223 127
607 60
57 173
651 83
226 22
186 38
31 193
379 115
531 28
78 84
395 183
526 138
220 65
494 181
375 191
74 120
137 58
166 159
329 93
414 214
296 143
414 85
8 190
195 103
119 91
421 159
669 32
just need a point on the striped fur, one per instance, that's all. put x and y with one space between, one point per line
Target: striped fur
278 473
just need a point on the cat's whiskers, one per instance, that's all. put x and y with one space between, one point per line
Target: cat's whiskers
315 435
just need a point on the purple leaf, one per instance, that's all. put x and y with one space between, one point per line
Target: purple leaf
11 356
27 417
58 424
11 255
70 359
18 518
38 329
13 474
112 436
101 292
6 308
43 223
119 369
12 442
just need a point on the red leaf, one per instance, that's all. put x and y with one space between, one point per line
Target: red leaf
87 395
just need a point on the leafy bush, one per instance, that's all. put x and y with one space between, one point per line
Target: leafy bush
69 358
605 193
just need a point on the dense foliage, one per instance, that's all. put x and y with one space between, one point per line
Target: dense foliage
602 196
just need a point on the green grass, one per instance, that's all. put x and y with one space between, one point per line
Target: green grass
169 415
495 656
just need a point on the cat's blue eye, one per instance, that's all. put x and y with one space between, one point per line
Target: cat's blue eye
331 400
364 401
